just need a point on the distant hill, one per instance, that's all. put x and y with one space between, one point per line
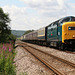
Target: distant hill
17 33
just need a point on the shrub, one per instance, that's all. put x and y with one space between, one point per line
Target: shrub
7 54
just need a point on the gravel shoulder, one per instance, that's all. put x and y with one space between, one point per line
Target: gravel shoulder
26 63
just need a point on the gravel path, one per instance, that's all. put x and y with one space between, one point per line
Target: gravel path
26 63
64 55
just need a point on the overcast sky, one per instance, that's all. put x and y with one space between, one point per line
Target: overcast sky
35 14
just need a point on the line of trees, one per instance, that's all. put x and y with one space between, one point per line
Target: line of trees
28 31
5 30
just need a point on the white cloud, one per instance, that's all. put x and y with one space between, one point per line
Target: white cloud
21 20
47 7
61 3
71 9
58 4
16 15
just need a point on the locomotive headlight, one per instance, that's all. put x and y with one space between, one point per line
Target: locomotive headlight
69 28
73 36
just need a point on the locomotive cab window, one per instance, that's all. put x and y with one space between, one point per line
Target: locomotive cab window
52 31
66 20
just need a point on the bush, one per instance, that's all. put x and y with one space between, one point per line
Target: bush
7 54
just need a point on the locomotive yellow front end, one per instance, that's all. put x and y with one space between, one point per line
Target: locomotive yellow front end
68 33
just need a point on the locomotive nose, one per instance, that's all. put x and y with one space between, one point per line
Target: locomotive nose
68 31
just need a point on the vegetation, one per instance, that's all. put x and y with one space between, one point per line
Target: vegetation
4 26
7 54
28 31
11 37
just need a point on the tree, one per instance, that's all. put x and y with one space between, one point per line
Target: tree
4 26
28 31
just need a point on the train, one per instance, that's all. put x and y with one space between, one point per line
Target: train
59 34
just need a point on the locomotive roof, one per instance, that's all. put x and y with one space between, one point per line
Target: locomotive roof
59 20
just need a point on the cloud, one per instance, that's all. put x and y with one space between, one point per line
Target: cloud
72 5
37 13
47 7
71 9
21 19
58 4
61 3
16 15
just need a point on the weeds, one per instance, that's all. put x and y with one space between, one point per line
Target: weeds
7 54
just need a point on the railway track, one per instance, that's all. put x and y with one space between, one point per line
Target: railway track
45 61
63 60
70 52
56 72
67 50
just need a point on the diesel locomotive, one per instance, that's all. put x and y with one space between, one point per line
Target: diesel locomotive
60 34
